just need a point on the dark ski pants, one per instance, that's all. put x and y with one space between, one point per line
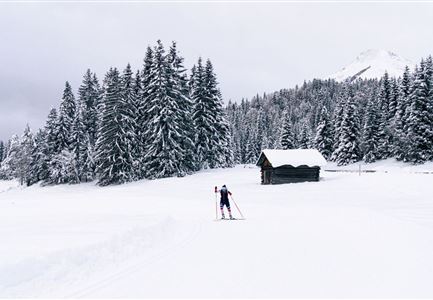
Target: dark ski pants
226 204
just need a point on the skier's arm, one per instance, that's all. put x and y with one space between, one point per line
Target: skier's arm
229 193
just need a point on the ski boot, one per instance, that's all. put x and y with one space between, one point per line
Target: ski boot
231 217
223 217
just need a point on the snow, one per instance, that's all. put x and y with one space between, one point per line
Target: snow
390 165
375 62
345 236
294 157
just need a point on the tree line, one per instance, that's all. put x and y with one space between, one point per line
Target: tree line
347 122
163 121
159 121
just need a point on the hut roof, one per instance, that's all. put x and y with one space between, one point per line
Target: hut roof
293 157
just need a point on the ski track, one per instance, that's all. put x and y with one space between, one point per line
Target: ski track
348 235
128 271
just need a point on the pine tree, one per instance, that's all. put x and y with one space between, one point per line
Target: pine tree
370 134
80 143
287 137
323 140
112 160
66 118
185 105
304 140
348 150
2 151
9 168
420 135
202 117
39 161
338 119
399 147
220 154
88 97
129 112
385 133
51 131
143 118
164 153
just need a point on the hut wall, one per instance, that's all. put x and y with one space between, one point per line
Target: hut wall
288 174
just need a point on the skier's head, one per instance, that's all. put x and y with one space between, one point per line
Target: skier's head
224 186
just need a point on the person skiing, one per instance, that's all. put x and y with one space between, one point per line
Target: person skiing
224 200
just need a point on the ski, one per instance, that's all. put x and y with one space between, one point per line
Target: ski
234 219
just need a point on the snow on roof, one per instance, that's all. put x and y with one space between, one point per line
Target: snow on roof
293 157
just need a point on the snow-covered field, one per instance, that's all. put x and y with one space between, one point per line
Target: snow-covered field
345 236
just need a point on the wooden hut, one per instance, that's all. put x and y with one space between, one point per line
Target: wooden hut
288 166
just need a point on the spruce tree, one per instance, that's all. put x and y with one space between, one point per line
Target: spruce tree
323 140
370 134
143 118
419 135
348 150
39 161
399 147
88 97
112 160
129 112
287 137
2 150
164 153
66 118
80 142
185 109
385 133
221 154
202 117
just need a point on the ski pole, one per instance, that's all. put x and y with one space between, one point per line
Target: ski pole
216 204
237 207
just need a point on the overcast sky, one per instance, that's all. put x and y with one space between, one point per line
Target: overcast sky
255 47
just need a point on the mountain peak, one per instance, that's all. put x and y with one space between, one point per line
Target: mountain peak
373 63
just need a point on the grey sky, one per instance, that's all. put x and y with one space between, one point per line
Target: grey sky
255 47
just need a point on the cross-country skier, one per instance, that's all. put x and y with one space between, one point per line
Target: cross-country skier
224 200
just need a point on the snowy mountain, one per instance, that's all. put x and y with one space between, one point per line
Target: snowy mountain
372 64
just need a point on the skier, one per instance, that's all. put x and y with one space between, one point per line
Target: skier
224 200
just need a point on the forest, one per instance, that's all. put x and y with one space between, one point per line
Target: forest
164 120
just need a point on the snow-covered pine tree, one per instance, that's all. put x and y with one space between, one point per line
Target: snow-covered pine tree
304 139
39 162
399 147
143 107
20 164
338 118
348 150
323 140
393 98
67 111
9 166
287 136
185 104
202 117
221 154
80 141
370 137
419 135
62 167
88 97
384 133
112 161
164 153
129 112
2 151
